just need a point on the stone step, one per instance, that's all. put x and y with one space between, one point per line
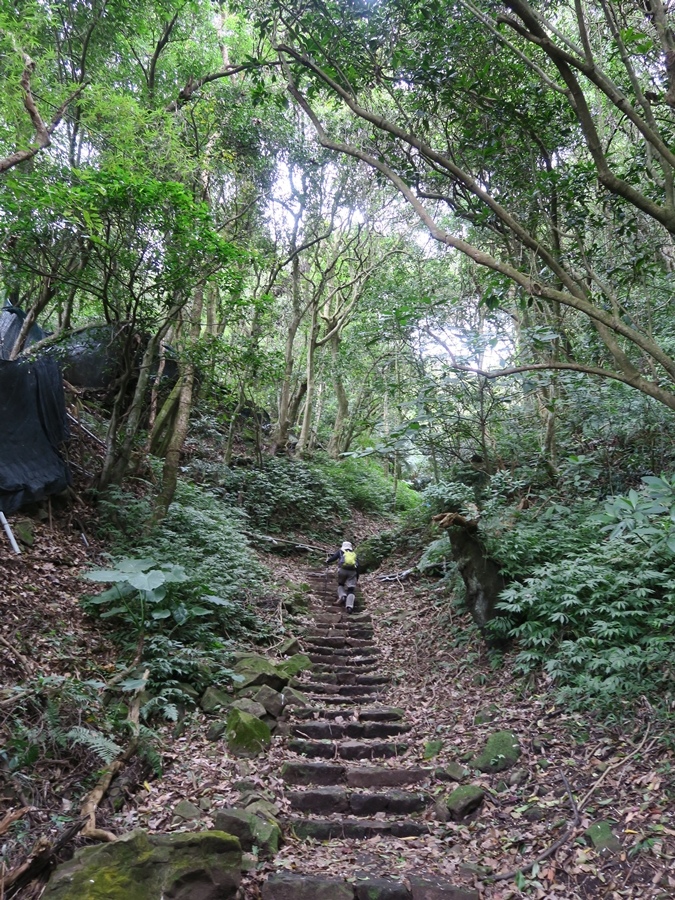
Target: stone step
339 643
337 799
359 829
285 886
343 671
347 749
313 773
372 714
337 699
365 632
338 617
343 690
362 663
382 776
334 730
345 652
324 774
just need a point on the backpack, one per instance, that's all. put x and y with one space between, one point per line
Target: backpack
348 559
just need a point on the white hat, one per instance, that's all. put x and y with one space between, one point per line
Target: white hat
346 546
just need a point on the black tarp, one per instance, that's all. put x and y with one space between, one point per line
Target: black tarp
33 422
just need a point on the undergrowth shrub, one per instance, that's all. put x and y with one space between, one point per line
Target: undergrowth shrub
600 624
597 614
312 495
63 718
204 536
520 540
187 596
283 494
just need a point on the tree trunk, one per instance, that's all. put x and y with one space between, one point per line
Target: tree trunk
303 440
182 421
336 443
172 459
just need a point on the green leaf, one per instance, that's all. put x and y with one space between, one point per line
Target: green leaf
133 684
147 581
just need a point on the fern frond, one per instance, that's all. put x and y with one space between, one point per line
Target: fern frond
98 743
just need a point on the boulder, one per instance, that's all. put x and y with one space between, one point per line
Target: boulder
272 700
603 838
432 748
292 697
250 829
290 646
464 800
185 810
216 730
214 698
295 664
246 735
24 532
252 707
257 670
265 809
306 887
139 866
501 752
451 771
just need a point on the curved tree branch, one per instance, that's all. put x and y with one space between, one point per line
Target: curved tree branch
43 131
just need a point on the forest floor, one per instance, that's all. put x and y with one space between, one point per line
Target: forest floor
573 770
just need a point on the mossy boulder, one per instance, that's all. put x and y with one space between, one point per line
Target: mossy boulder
197 866
293 697
290 646
272 700
252 707
214 699
246 735
24 531
501 752
295 664
257 671
603 838
464 800
251 830
451 771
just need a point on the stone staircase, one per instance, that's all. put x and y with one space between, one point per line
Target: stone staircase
349 780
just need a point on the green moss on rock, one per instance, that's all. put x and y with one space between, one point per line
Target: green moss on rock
197 866
501 752
295 664
464 800
257 670
246 735
215 698
603 838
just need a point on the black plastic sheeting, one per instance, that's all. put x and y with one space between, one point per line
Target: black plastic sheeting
33 422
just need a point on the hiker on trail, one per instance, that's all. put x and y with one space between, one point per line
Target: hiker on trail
348 574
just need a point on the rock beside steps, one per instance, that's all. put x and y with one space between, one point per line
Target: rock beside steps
336 786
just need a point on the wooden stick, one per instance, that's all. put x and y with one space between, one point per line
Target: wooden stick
26 664
11 817
94 797
40 857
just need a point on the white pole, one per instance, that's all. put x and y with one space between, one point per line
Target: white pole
8 532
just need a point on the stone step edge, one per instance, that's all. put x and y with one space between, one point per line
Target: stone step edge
373 714
305 772
322 829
